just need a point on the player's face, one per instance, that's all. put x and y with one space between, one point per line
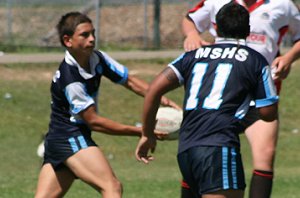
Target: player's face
83 39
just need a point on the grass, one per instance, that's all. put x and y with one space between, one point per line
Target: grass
25 118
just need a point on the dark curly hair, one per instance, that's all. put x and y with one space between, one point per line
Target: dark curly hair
68 23
233 21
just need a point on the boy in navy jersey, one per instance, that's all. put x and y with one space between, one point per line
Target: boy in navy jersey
270 20
70 152
219 80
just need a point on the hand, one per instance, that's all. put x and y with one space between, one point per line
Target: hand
193 41
282 67
161 135
145 144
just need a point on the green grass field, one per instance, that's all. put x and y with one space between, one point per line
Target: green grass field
25 117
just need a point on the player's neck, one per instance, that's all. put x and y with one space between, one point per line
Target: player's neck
84 62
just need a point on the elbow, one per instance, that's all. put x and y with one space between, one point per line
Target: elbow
269 113
269 118
92 124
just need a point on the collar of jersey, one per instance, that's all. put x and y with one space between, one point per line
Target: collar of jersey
94 60
231 41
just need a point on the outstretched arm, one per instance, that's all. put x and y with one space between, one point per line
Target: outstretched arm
140 87
105 125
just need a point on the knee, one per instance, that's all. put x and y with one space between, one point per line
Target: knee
113 186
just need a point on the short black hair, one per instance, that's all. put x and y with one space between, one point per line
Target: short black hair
233 21
68 23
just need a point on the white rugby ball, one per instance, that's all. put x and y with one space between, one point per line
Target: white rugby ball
40 149
168 120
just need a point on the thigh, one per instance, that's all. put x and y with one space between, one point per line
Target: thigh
53 183
262 137
91 166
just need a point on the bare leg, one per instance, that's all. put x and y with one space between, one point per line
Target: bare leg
262 137
53 184
91 166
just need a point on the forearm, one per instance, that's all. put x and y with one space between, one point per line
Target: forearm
294 53
111 127
141 87
151 105
137 85
188 27
105 125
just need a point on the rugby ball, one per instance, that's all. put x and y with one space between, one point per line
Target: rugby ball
40 149
168 120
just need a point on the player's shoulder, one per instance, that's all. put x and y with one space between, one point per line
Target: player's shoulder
256 56
209 4
282 5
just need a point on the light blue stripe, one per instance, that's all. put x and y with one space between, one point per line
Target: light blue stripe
225 168
266 102
82 142
73 144
233 168
268 82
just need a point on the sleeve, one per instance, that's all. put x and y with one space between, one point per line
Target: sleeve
176 66
200 15
266 92
77 97
113 70
294 21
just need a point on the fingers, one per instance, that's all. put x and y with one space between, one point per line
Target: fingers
143 147
189 46
144 157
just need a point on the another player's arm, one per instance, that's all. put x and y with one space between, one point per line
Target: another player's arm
193 39
141 87
283 63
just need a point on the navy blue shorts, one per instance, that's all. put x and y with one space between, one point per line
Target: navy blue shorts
209 169
58 150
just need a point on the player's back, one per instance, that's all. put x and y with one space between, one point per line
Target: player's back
217 80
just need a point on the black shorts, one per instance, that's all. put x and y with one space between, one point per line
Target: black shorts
58 150
210 169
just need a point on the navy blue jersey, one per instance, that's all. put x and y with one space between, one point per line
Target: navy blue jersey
73 90
219 82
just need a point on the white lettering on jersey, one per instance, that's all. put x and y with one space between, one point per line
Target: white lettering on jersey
203 52
228 52
56 76
239 54
216 53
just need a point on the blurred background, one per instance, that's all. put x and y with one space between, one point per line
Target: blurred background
29 25
120 24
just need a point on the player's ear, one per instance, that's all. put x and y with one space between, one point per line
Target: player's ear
67 40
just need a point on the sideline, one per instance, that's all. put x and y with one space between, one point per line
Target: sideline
57 57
